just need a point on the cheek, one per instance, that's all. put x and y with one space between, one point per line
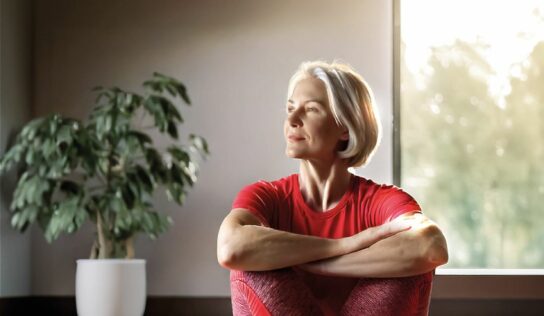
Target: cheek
324 128
329 132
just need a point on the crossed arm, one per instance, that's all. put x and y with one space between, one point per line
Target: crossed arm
406 246
415 251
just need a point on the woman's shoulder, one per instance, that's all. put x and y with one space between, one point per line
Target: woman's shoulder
370 188
384 202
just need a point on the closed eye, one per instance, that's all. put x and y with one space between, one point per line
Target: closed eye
309 109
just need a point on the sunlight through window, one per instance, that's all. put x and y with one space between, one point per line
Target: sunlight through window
472 126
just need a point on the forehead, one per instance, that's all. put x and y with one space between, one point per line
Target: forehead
310 88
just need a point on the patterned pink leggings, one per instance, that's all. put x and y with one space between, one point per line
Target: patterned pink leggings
283 292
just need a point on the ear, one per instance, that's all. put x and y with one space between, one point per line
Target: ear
345 135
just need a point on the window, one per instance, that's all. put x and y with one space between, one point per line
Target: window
470 126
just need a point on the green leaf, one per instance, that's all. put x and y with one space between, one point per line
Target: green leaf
54 122
172 130
147 222
172 90
153 105
174 192
154 85
200 143
64 135
65 218
134 184
12 157
173 86
170 110
37 189
21 219
79 218
176 173
128 196
48 147
144 178
117 204
108 122
179 154
156 165
120 99
183 93
31 128
141 137
15 219
189 172
29 159
58 167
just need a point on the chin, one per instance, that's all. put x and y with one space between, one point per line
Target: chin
295 155
291 154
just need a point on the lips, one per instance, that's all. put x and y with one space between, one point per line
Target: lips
295 137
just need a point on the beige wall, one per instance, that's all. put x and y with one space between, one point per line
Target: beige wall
235 58
15 98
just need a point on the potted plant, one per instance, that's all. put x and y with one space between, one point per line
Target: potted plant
105 170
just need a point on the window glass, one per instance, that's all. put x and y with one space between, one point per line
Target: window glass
472 126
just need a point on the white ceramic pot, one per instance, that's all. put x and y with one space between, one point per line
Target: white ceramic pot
110 287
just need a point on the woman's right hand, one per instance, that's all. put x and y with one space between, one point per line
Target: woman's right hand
372 235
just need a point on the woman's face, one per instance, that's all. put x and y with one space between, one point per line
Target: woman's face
309 128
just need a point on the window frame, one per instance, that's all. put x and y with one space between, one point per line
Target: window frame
461 283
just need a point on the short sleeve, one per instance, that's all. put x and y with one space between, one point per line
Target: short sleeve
389 202
260 199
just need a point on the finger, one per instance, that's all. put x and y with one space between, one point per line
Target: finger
392 228
386 230
369 238
398 226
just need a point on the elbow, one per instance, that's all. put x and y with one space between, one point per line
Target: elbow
438 256
227 254
429 260
224 257
225 242
436 251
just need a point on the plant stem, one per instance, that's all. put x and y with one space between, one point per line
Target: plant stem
94 250
129 246
102 251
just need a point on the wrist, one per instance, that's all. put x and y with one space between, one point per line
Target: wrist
346 245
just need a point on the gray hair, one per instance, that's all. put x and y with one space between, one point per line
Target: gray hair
352 104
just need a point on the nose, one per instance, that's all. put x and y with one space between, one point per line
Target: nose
293 118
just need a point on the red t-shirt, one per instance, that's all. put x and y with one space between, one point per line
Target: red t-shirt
279 204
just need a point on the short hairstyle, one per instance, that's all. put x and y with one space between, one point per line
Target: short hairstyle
352 104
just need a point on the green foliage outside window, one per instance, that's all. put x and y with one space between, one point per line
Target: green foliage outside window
475 163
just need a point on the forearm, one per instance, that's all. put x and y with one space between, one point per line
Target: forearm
258 248
406 254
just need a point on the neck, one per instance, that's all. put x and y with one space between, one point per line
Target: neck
323 184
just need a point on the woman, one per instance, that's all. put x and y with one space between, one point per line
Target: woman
325 241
